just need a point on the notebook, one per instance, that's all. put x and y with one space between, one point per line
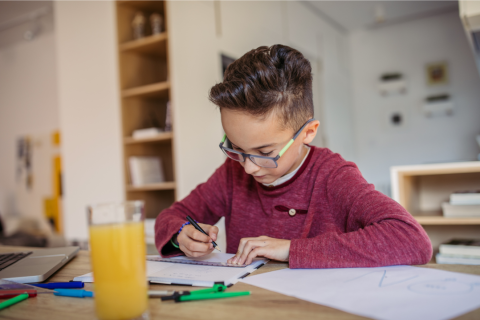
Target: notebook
203 272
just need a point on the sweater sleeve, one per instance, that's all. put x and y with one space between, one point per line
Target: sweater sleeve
207 203
376 230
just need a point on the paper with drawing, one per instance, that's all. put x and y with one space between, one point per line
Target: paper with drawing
393 293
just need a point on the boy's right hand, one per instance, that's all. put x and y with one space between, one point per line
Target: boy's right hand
194 243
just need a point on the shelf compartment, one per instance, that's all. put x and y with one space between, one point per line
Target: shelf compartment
169 185
155 200
162 137
126 11
157 90
154 45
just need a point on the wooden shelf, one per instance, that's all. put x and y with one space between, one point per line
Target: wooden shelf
442 221
152 45
158 90
152 187
165 136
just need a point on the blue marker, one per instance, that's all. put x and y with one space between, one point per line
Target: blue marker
73 293
59 285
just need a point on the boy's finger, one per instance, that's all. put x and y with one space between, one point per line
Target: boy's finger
260 251
241 246
212 232
251 245
194 234
198 246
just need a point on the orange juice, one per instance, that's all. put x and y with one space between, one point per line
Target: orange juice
119 270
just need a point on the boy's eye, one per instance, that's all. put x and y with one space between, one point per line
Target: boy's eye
266 154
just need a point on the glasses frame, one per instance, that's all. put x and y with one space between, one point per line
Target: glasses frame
252 157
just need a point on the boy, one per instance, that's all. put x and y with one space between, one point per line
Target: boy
281 198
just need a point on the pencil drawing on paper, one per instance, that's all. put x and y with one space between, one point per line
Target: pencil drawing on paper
449 286
386 280
442 287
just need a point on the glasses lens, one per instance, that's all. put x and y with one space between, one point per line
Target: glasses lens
263 162
233 155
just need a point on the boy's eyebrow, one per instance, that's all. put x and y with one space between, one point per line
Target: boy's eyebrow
261 147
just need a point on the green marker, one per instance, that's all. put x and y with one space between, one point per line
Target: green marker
14 300
218 295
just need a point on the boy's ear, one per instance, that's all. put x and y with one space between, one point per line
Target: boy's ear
310 131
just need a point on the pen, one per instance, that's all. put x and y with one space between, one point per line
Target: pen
205 296
14 300
5 294
73 293
201 230
59 285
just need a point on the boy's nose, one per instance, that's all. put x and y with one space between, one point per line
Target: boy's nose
250 167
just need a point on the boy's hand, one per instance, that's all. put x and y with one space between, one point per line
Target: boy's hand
194 243
249 248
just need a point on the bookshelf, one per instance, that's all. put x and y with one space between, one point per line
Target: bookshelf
144 93
421 189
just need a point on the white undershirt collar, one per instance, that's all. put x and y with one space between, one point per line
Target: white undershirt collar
288 176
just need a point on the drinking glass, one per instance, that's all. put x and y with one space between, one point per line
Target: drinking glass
118 258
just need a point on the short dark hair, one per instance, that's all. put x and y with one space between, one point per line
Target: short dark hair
268 79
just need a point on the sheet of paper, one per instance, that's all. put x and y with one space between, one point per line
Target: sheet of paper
212 257
152 267
197 275
391 293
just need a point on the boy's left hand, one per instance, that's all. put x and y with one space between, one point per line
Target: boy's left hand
271 248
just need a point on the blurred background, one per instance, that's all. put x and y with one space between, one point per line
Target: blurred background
108 101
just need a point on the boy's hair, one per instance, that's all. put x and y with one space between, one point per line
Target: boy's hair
268 79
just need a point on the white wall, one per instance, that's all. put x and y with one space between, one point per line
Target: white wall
407 48
89 108
28 106
195 49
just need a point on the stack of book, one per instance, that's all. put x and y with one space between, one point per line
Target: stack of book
463 204
459 251
145 170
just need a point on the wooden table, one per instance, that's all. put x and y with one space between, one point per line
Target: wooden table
261 304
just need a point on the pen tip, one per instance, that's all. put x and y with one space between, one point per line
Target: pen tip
218 249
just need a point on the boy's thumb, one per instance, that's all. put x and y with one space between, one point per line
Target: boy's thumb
212 232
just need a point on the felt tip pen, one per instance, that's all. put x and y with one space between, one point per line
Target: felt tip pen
61 285
206 296
202 231
73 293
14 300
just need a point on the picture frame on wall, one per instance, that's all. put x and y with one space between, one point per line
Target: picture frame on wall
436 73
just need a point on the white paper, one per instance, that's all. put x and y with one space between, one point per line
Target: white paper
392 293
196 275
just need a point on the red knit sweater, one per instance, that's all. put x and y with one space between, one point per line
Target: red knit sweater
340 220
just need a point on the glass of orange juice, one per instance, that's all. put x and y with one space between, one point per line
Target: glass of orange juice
118 258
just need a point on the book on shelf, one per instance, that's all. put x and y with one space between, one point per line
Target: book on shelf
455 259
460 211
146 133
145 170
461 247
465 197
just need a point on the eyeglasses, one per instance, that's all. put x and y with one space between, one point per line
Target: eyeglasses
261 161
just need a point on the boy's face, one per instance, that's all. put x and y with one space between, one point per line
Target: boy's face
265 137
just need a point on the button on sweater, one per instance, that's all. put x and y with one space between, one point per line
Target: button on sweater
340 220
